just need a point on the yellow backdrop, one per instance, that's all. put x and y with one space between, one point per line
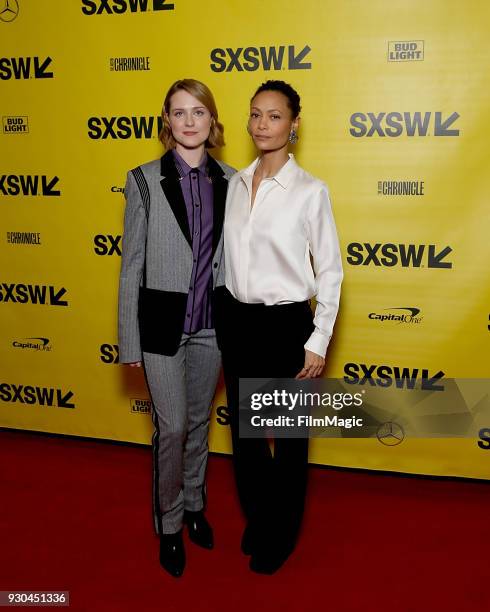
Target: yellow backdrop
395 105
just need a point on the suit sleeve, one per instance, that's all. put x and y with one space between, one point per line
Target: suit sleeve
132 262
327 263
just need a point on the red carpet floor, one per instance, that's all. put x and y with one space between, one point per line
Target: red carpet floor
75 515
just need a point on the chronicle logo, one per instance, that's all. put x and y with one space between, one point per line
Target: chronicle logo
390 434
20 293
117 7
25 68
106 244
28 184
405 255
109 353
9 9
406 51
101 128
394 124
388 376
411 317
140 406
415 188
253 58
15 124
44 396
24 238
35 344
124 64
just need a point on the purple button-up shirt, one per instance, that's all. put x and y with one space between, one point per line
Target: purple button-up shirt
197 190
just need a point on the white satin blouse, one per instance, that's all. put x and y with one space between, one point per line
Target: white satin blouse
267 248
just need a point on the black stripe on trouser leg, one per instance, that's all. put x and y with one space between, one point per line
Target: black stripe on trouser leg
155 443
157 513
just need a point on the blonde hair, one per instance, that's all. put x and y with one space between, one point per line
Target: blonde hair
204 95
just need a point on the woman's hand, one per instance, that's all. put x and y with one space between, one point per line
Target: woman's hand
134 364
314 365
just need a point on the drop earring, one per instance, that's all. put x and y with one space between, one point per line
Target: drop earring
293 137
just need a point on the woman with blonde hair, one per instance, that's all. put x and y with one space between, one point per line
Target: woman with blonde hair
172 261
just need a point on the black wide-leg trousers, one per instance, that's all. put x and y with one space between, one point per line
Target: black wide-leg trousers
259 341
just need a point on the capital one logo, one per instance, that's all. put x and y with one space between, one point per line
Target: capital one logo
9 9
25 68
117 7
396 124
253 58
404 255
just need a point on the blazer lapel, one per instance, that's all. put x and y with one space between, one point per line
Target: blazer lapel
220 186
171 188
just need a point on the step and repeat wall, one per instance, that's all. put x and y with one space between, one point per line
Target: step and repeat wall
395 100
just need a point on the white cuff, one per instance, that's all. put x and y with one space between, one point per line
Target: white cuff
318 343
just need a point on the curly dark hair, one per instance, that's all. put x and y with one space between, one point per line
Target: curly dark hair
284 88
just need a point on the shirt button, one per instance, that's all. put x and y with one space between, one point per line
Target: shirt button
196 260
188 316
197 205
190 288
194 176
215 265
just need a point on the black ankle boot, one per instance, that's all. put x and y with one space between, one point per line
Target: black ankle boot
172 553
200 531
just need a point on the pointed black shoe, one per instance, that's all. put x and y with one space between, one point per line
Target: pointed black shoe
248 540
200 531
172 553
268 562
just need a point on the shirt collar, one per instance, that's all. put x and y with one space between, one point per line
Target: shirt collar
282 177
183 167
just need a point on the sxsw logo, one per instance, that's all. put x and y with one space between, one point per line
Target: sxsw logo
117 7
16 125
43 396
25 68
253 58
20 293
404 255
388 376
106 244
395 124
140 406
109 353
484 438
28 184
101 128
406 51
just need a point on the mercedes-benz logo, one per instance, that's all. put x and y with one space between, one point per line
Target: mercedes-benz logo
390 434
9 9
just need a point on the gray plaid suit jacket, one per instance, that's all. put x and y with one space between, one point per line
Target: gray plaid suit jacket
156 217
